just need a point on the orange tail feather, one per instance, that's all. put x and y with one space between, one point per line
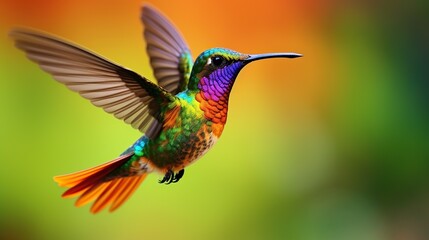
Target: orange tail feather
90 185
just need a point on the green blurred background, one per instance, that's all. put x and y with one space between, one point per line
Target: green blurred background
334 145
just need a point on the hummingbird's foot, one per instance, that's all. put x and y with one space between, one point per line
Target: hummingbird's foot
171 177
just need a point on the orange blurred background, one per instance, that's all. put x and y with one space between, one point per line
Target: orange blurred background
334 145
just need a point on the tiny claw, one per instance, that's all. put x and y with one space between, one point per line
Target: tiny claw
167 177
178 176
162 180
170 180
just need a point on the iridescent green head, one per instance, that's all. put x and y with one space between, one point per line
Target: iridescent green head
212 60
222 65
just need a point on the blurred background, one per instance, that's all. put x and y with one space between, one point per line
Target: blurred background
334 145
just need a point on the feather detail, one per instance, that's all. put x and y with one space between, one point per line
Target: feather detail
171 116
119 91
91 184
169 54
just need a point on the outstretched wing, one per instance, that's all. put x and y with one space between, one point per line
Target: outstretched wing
169 54
117 90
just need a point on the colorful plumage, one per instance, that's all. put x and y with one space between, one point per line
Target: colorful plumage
181 117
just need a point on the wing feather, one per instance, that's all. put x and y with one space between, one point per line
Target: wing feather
169 54
119 91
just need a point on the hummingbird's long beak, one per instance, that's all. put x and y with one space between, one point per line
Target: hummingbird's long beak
255 57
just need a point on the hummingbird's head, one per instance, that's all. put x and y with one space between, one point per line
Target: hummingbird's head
222 66
217 62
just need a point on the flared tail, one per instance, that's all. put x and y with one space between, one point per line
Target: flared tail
91 184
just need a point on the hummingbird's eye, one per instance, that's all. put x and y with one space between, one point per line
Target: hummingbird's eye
217 61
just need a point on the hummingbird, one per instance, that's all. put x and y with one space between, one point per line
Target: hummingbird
181 116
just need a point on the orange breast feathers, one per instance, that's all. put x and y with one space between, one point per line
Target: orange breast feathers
214 111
